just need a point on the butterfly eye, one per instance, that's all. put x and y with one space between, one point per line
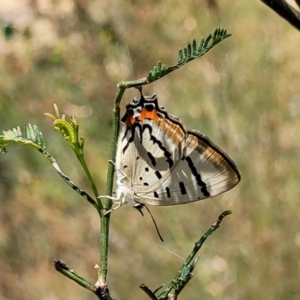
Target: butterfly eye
149 107
131 112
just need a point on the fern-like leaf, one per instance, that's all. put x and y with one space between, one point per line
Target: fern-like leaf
189 53
33 137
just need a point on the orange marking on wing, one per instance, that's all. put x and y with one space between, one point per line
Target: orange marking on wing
130 121
172 130
145 114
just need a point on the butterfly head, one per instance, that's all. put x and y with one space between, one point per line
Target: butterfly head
146 107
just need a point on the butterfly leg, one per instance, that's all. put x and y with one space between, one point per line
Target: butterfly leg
110 198
120 198
115 200
117 170
114 208
112 162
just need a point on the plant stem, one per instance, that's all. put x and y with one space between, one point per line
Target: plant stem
87 172
104 219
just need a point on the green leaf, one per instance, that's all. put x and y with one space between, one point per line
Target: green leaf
188 53
33 138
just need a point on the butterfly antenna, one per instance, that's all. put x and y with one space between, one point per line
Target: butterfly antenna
139 207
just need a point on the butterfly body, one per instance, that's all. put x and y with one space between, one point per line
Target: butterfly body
158 162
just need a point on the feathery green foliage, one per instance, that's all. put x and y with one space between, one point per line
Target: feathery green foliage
185 55
189 53
33 137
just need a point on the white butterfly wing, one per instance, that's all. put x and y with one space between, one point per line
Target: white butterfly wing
202 172
164 174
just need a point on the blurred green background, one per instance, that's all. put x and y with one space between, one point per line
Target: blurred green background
244 94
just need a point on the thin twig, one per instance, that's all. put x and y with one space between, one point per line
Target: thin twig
148 292
101 292
184 275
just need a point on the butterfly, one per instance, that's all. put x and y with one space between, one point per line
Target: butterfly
159 162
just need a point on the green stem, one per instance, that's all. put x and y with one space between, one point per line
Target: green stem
104 219
134 83
87 172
